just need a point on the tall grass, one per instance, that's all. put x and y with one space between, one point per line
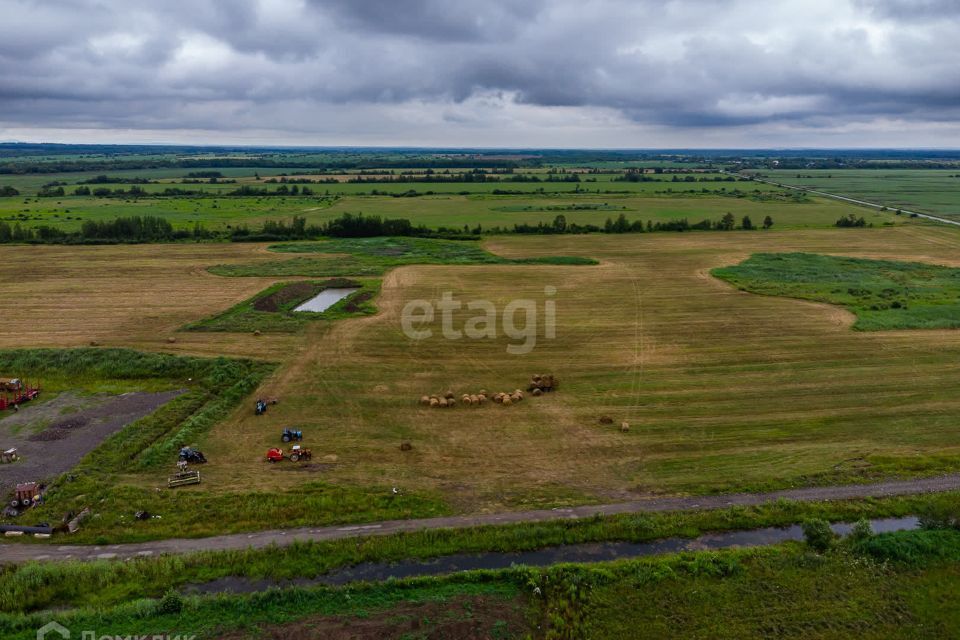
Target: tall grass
732 593
884 294
41 585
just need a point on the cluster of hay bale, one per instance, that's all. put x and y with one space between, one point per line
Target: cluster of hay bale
482 397
507 399
448 399
542 384
442 400
474 399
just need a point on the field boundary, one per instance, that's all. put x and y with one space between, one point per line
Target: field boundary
13 553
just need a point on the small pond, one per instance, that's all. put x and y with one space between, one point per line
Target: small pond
326 299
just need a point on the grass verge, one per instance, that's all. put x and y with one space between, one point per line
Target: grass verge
36 586
860 587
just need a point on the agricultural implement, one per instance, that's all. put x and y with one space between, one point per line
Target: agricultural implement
10 455
189 454
26 495
260 408
14 392
296 454
289 435
183 478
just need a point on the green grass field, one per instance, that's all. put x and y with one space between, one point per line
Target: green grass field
934 191
375 256
884 294
452 205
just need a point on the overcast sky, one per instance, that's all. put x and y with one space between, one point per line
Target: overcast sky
490 73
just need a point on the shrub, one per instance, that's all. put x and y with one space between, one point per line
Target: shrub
171 602
861 531
818 535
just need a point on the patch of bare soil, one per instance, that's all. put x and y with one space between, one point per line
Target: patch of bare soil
466 618
78 425
354 304
291 293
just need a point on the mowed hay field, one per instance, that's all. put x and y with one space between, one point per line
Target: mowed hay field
136 296
723 390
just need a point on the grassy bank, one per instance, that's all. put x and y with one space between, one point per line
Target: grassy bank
887 585
106 583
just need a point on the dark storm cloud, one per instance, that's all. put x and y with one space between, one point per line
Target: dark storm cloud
322 66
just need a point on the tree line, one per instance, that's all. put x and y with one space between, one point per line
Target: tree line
136 229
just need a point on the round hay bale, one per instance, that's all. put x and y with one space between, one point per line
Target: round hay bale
406 446
482 397
465 397
451 402
519 393
443 402
424 399
94 343
474 399
606 420
381 388
256 332
624 427
448 395
483 392
434 402
171 339
537 392
507 401
515 397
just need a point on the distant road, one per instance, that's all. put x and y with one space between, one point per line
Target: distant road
12 552
855 201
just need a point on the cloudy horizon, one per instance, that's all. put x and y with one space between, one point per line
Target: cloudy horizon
501 74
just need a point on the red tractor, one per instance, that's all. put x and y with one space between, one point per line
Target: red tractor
296 454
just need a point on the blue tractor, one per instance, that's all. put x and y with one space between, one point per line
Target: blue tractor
289 435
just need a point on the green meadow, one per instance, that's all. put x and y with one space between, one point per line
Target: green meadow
884 294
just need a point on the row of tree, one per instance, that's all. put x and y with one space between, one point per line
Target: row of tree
157 229
123 229
622 225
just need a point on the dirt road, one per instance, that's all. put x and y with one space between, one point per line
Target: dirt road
12 552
